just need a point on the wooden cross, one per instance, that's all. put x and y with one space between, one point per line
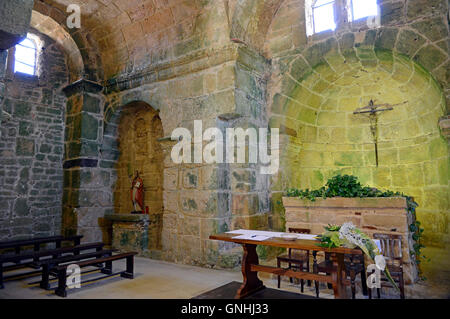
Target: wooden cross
372 110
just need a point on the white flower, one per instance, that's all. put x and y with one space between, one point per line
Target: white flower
380 262
347 232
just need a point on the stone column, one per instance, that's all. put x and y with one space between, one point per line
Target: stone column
85 199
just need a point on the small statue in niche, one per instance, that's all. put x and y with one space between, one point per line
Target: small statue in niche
137 194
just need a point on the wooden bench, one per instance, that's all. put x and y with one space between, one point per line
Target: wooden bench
18 244
48 266
35 257
61 271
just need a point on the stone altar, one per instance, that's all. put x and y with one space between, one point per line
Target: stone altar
129 232
386 215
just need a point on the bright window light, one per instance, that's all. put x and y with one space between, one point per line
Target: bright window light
364 8
323 15
25 57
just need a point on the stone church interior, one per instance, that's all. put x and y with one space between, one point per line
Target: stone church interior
120 174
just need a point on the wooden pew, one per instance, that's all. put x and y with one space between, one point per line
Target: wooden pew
35 257
49 265
37 242
128 273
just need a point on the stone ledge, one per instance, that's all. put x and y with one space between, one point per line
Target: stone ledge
82 85
347 203
156 73
127 217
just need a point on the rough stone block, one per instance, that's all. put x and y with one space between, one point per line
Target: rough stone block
15 16
25 147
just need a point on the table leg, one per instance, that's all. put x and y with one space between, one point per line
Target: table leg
251 281
339 276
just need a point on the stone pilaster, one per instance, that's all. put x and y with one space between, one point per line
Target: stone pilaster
248 189
84 201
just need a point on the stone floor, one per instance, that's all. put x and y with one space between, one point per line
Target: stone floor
157 279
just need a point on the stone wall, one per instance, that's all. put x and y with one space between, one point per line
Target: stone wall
196 196
31 147
200 199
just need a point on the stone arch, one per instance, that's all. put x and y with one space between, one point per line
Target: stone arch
423 40
401 41
86 46
314 110
131 144
52 29
250 21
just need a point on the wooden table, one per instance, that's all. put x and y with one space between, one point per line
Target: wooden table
251 266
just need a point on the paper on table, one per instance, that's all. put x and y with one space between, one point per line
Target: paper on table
269 234
306 236
255 232
240 231
252 237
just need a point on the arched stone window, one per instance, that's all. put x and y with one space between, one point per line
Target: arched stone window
320 16
25 57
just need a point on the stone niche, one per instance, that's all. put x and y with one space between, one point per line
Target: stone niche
371 215
139 130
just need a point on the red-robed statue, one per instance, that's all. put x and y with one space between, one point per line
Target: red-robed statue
137 193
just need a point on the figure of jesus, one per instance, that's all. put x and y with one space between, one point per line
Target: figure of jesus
137 193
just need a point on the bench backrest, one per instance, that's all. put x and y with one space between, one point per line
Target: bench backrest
49 252
28 241
37 241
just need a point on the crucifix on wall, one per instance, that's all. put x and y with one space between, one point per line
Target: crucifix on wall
372 109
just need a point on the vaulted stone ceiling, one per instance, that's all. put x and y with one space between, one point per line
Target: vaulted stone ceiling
119 37
132 34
